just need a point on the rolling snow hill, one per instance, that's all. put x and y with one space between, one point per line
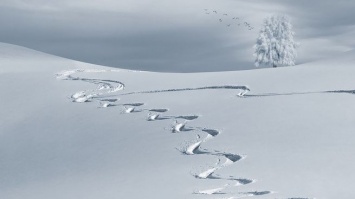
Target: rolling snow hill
75 130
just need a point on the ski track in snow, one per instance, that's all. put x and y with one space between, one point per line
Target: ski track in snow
155 114
352 92
242 90
103 86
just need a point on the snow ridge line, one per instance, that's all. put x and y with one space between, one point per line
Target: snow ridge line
154 114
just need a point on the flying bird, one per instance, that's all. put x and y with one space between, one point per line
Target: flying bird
215 11
220 20
228 25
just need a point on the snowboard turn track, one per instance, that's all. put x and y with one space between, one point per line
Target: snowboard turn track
103 94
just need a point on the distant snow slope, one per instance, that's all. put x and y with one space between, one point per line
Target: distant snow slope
74 130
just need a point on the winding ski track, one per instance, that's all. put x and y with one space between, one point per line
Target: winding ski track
155 114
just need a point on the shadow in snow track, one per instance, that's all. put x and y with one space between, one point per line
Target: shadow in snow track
108 100
158 110
212 132
256 193
133 104
342 91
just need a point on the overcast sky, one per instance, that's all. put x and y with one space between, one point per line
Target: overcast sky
175 35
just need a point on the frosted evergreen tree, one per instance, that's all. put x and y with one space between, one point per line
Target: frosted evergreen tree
275 45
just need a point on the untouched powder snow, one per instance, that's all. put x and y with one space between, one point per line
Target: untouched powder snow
282 133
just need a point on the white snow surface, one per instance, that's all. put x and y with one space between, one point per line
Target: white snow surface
295 125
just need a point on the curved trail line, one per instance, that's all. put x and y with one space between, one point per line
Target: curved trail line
103 83
105 86
110 86
210 174
195 149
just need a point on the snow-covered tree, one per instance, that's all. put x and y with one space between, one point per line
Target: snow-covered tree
275 45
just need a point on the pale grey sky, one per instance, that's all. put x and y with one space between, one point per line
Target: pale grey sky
171 35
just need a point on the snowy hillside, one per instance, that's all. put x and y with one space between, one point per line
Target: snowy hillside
74 130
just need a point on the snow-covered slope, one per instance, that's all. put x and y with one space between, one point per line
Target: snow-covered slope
74 130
